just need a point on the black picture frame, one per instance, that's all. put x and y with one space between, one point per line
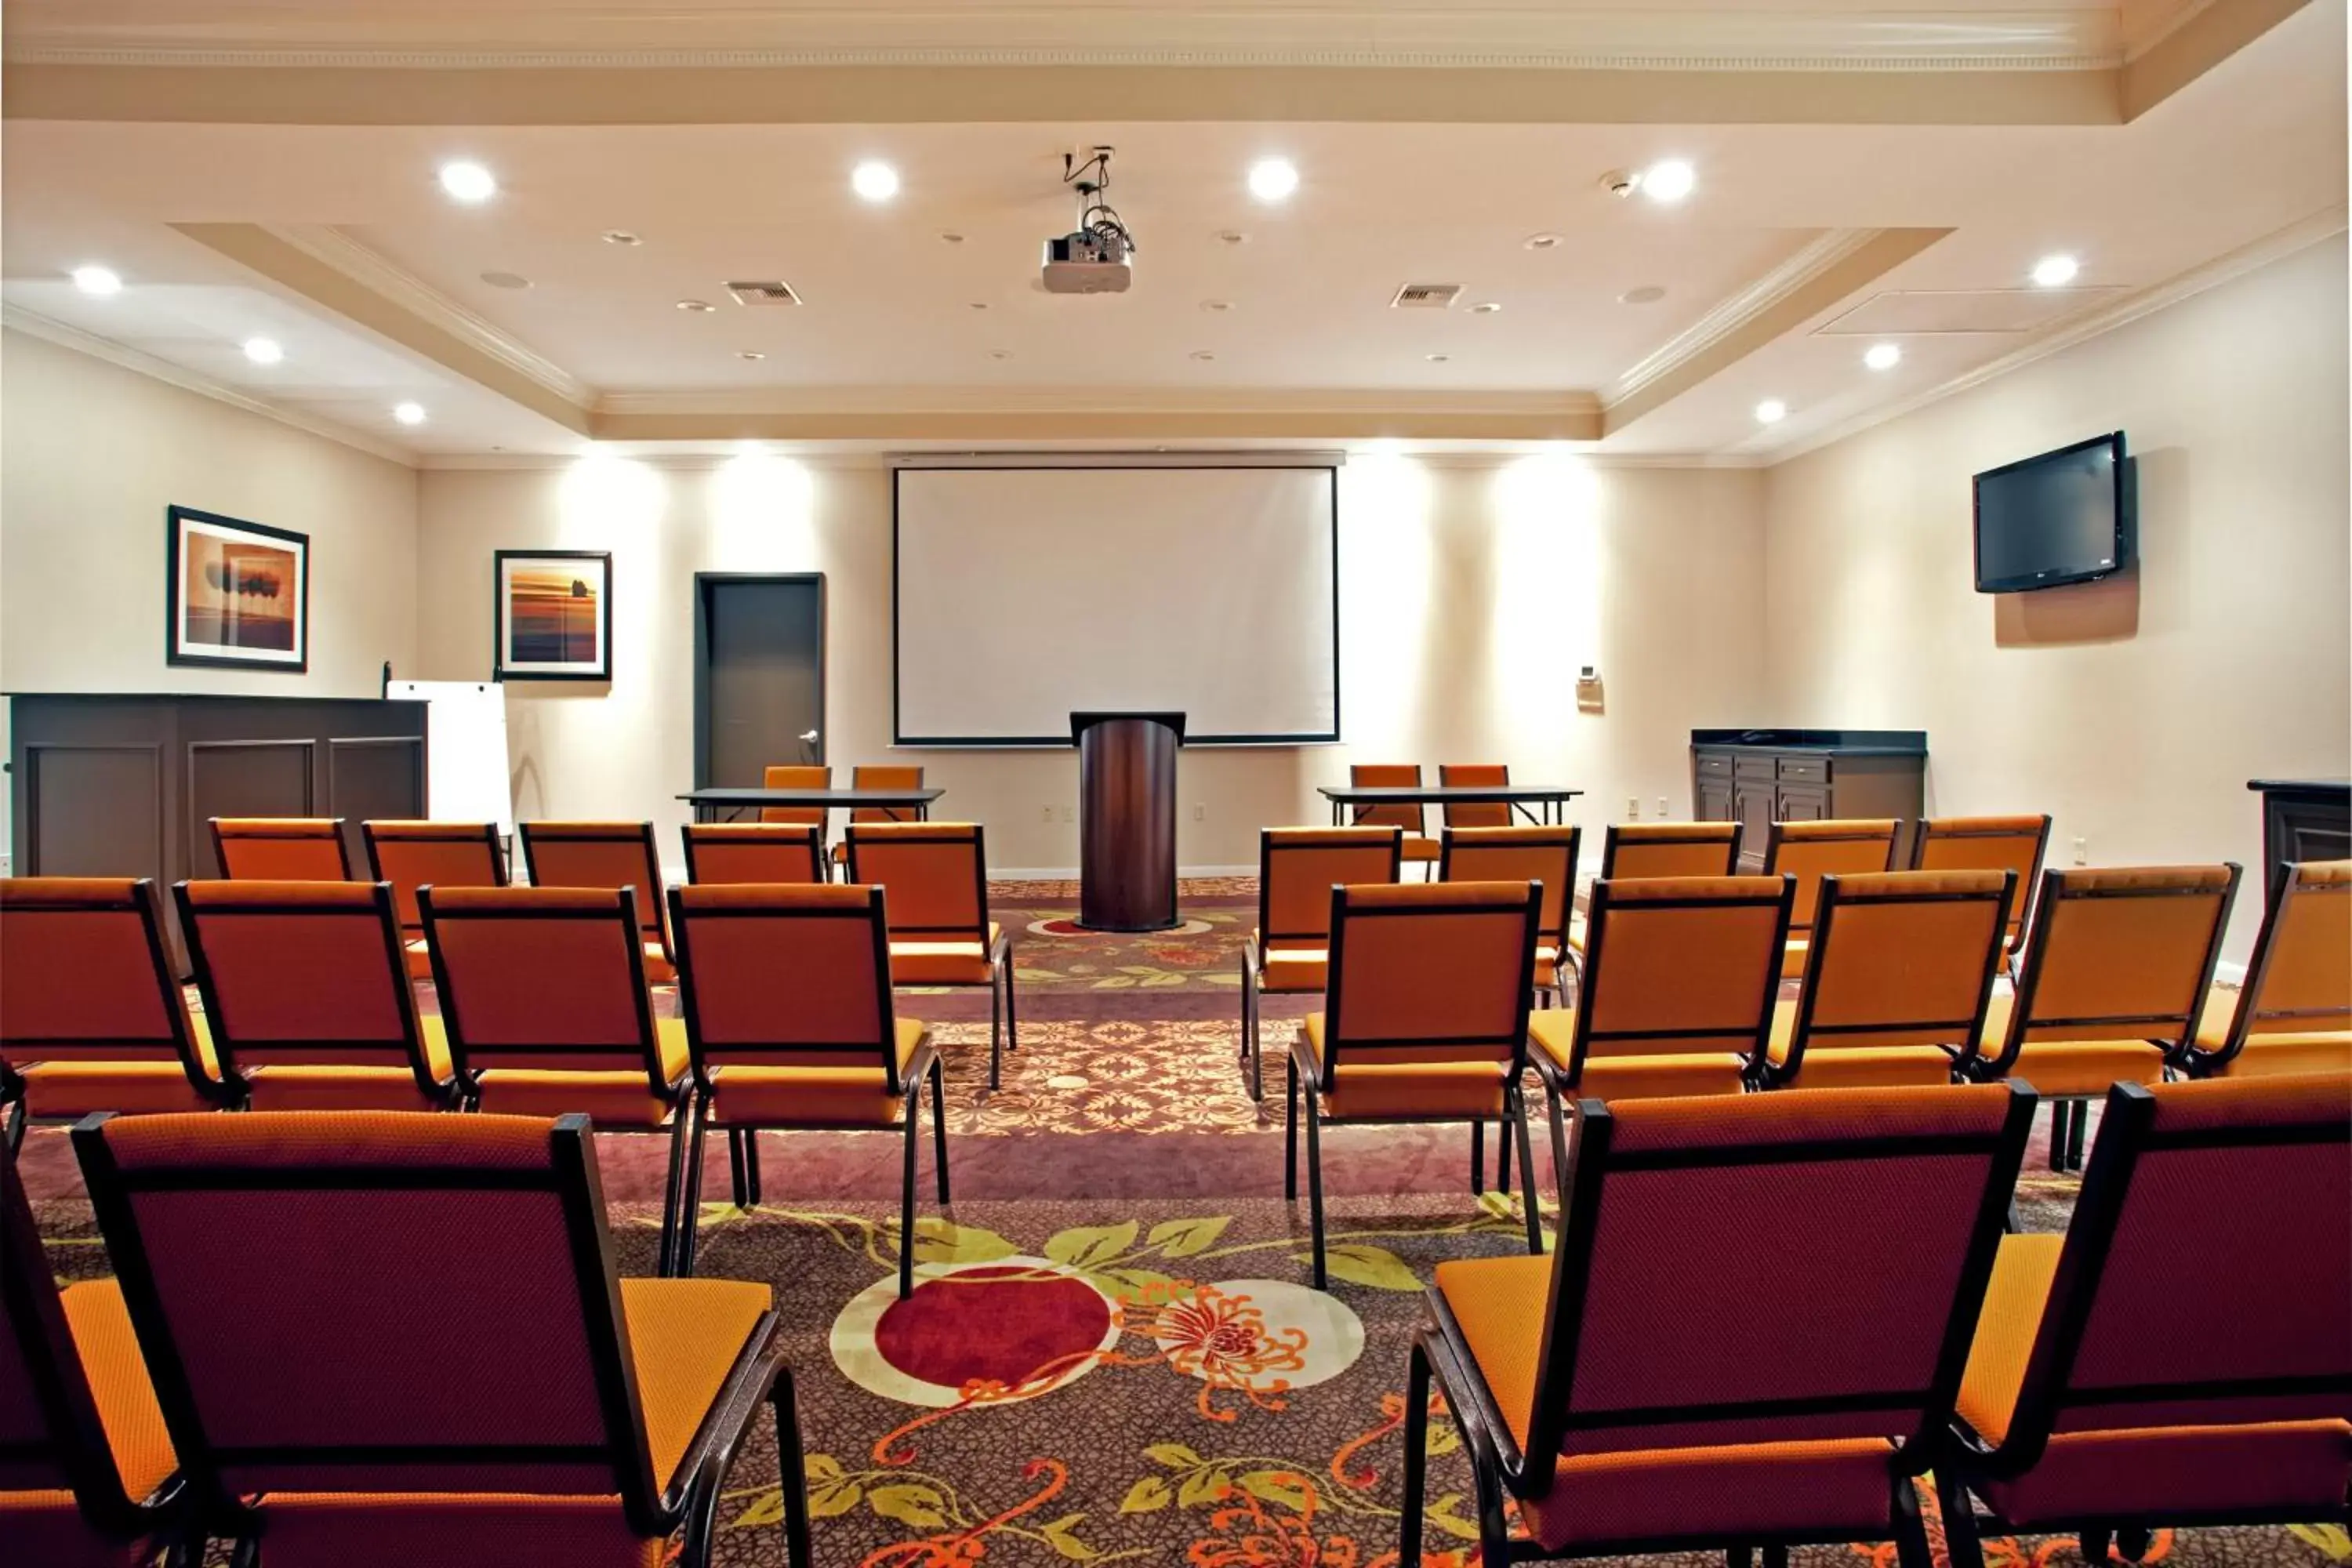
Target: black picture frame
182 523
503 664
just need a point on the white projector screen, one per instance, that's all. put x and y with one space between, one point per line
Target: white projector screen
1024 594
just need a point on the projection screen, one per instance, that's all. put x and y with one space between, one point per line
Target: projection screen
1023 594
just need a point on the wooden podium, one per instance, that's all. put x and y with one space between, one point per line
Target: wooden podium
1127 819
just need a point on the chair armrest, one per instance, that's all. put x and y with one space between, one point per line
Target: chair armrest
730 1419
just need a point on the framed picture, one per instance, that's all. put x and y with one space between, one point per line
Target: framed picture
554 615
236 593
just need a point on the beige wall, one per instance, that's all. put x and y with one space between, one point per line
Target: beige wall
2133 711
94 454
1471 590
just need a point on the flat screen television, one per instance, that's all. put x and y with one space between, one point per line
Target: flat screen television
2064 517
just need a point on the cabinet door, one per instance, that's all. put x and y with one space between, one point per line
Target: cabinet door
1800 803
1753 804
1715 800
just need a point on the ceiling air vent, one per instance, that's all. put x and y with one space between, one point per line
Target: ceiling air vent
777 292
1426 297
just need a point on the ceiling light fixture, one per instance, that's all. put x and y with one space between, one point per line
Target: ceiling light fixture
1216 307
950 237
1541 241
263 351
1233 237
468 182
97 280
1486 306
1668 180
1273 179
506 279
2055 271
980 304
1771 411
1203 354
698 306
620 237
750 353
409 413
874 180
1647 294
1883 356
1439 359
1000 354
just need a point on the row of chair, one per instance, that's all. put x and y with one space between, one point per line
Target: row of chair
786 1015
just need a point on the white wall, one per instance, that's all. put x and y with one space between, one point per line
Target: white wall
2134 710
1471 591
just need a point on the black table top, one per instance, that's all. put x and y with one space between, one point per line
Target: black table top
1843 742
826 797
1438 795
2318 786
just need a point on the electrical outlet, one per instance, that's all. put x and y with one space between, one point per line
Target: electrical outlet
2082 852
1662 808
1045 814
1069 814
1200 812
1633 808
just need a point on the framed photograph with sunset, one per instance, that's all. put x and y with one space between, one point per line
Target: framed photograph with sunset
554 615
237 594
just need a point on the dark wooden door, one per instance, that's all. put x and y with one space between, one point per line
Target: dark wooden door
758 678
1715 800
1753 804
1800 803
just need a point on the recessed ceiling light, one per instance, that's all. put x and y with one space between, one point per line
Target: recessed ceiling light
409 413
1541 241
1439 359
2055 271
263 351
949 236
874 180
620 237
1668 180
750 353
1000 354
1771 411
506 279
1486 306
1203 354
1883 356
1273 179
698 306
1216 307
980 304
97 280
468 182
1233 237
1647 294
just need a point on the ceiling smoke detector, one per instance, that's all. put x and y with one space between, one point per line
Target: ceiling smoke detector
772 291
1426 297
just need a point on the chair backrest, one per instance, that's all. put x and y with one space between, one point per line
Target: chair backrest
279 1365
753 852
409 854
1811 850
936 874
1641 850
2253 1179
785 977
1901 958
2120 954
1678 964
1298 866
1410 816
281 849
796 775
1475 814
52 1438
1678 1212
303 973
546 978
88 977
885 775
2300 980
1986 844
598 854
1544 855
1430 971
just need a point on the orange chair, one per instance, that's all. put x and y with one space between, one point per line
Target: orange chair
2293 1014
86 1473
544 1003
1289 951
1811 850
604 855
1546 856
797 776
1635 1394
885 775
409 854
281 849
90 1017
307 995
2116 966
2181 1355
1676 995
720 852
1419 848
1988 844
1636 851
786 993
1425 1020
1474 776
1896 981
936 874
388 1337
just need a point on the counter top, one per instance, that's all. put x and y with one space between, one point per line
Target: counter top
1845 742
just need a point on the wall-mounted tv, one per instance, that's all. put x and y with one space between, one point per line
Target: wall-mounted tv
2064 517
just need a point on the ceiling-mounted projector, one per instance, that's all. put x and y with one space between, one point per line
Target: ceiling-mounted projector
1098 256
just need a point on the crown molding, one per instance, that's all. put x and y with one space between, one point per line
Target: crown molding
2067 333
875 457
33 324
1118 400
1735 310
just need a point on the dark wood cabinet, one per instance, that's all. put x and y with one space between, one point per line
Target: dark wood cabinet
2303 819
1757 778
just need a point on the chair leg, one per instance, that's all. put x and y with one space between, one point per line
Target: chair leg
2058 1135
1559 1138
906 1202
689 1215
2132 1541
1503 1157
751 1164
995 1029
1776 1557
2095 1545
1315 1182
1961 1547
1910 1531
791 1471
678 1120
739 1179
1477 1158
1253 1068
2075 1133
1011 1006
15 1126
1290 1134
1519 1129
1737 1557
939 1125
1416 1460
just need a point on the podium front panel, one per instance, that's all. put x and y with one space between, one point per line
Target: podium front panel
1127 834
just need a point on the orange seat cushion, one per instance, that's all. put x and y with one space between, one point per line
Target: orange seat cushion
2321 1051
57 1089
419 956
2070 1068
1370 1088
1794 957
326 1086
1416 847
119 1385
1828 1065
942 963
855 1095
1295 969
1552 1031
2014 1298
660 970
2276 1468
684 1338
606 1096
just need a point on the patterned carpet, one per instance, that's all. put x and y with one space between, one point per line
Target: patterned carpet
1112 1353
